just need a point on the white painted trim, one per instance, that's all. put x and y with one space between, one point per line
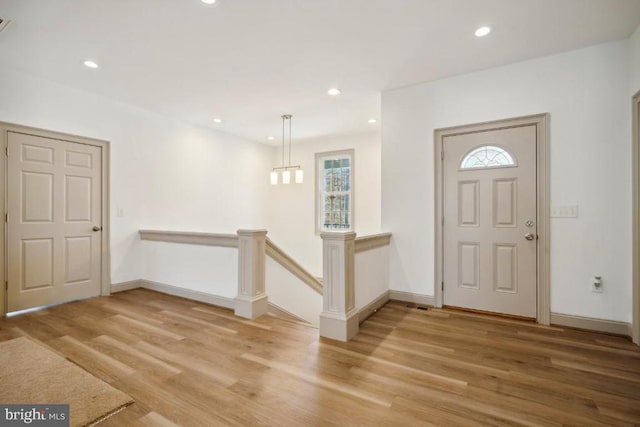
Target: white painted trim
251 300
412 298
287 315
373 306
366 243
126 286
541 121
105 260
198 296
231 241
590 323
339 326
106 218
3 237
217 300
317 191
190 238
281 257
635 248
339 317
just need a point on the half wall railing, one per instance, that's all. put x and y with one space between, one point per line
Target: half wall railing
354 282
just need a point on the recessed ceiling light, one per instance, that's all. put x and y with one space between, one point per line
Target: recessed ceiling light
372 120
209 2
271 138
334 92
483 31
217 120
90 64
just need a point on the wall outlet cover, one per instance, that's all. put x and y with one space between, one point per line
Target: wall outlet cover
564 211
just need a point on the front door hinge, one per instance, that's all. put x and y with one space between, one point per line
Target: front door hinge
442 155
442 286
6 217
6 286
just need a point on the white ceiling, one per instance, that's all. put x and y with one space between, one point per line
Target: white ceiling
249 61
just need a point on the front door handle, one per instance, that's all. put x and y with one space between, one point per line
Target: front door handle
96 228
529 236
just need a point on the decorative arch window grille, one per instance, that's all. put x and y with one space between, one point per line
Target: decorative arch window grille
487 156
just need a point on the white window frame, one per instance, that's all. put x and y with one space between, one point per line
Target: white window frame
319 187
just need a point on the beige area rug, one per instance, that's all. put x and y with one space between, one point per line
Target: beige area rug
33 374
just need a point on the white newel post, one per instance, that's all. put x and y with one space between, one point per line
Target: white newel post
339 317
251 301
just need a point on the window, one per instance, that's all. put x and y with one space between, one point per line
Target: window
487 156
334 196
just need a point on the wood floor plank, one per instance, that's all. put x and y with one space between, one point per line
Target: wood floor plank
198 321
140 355
104 359
217 313
153 419
207 369
192 364
133 323
377 360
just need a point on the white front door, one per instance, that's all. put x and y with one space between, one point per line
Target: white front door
53 204
490 224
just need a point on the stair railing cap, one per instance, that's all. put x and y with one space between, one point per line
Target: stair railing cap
338 235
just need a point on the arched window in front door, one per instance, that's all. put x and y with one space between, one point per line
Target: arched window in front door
487 156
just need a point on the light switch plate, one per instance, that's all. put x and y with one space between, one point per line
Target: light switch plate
566 211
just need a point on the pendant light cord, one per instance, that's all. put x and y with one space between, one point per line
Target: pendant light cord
289 142
283 141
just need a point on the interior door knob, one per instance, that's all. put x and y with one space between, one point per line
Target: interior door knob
96 228
529 236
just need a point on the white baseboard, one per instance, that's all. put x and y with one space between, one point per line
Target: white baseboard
412 298
126 286
220 301
217 300
284 314
373 306
590 323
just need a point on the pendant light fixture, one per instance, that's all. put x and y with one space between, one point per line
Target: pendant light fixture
286 170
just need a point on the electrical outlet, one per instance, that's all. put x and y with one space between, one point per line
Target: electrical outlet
596 284
567 211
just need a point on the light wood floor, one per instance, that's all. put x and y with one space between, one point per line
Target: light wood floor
193 364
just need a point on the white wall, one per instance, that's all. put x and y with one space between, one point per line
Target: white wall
292 209
586 93
372 275
164 174
634 55
291 294
207 269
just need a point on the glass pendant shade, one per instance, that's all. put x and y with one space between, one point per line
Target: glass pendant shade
286 177
285 167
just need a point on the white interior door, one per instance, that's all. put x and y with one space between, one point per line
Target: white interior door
53 203
490 224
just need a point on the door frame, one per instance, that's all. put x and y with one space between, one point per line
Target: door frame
635 250
541 122
5 128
